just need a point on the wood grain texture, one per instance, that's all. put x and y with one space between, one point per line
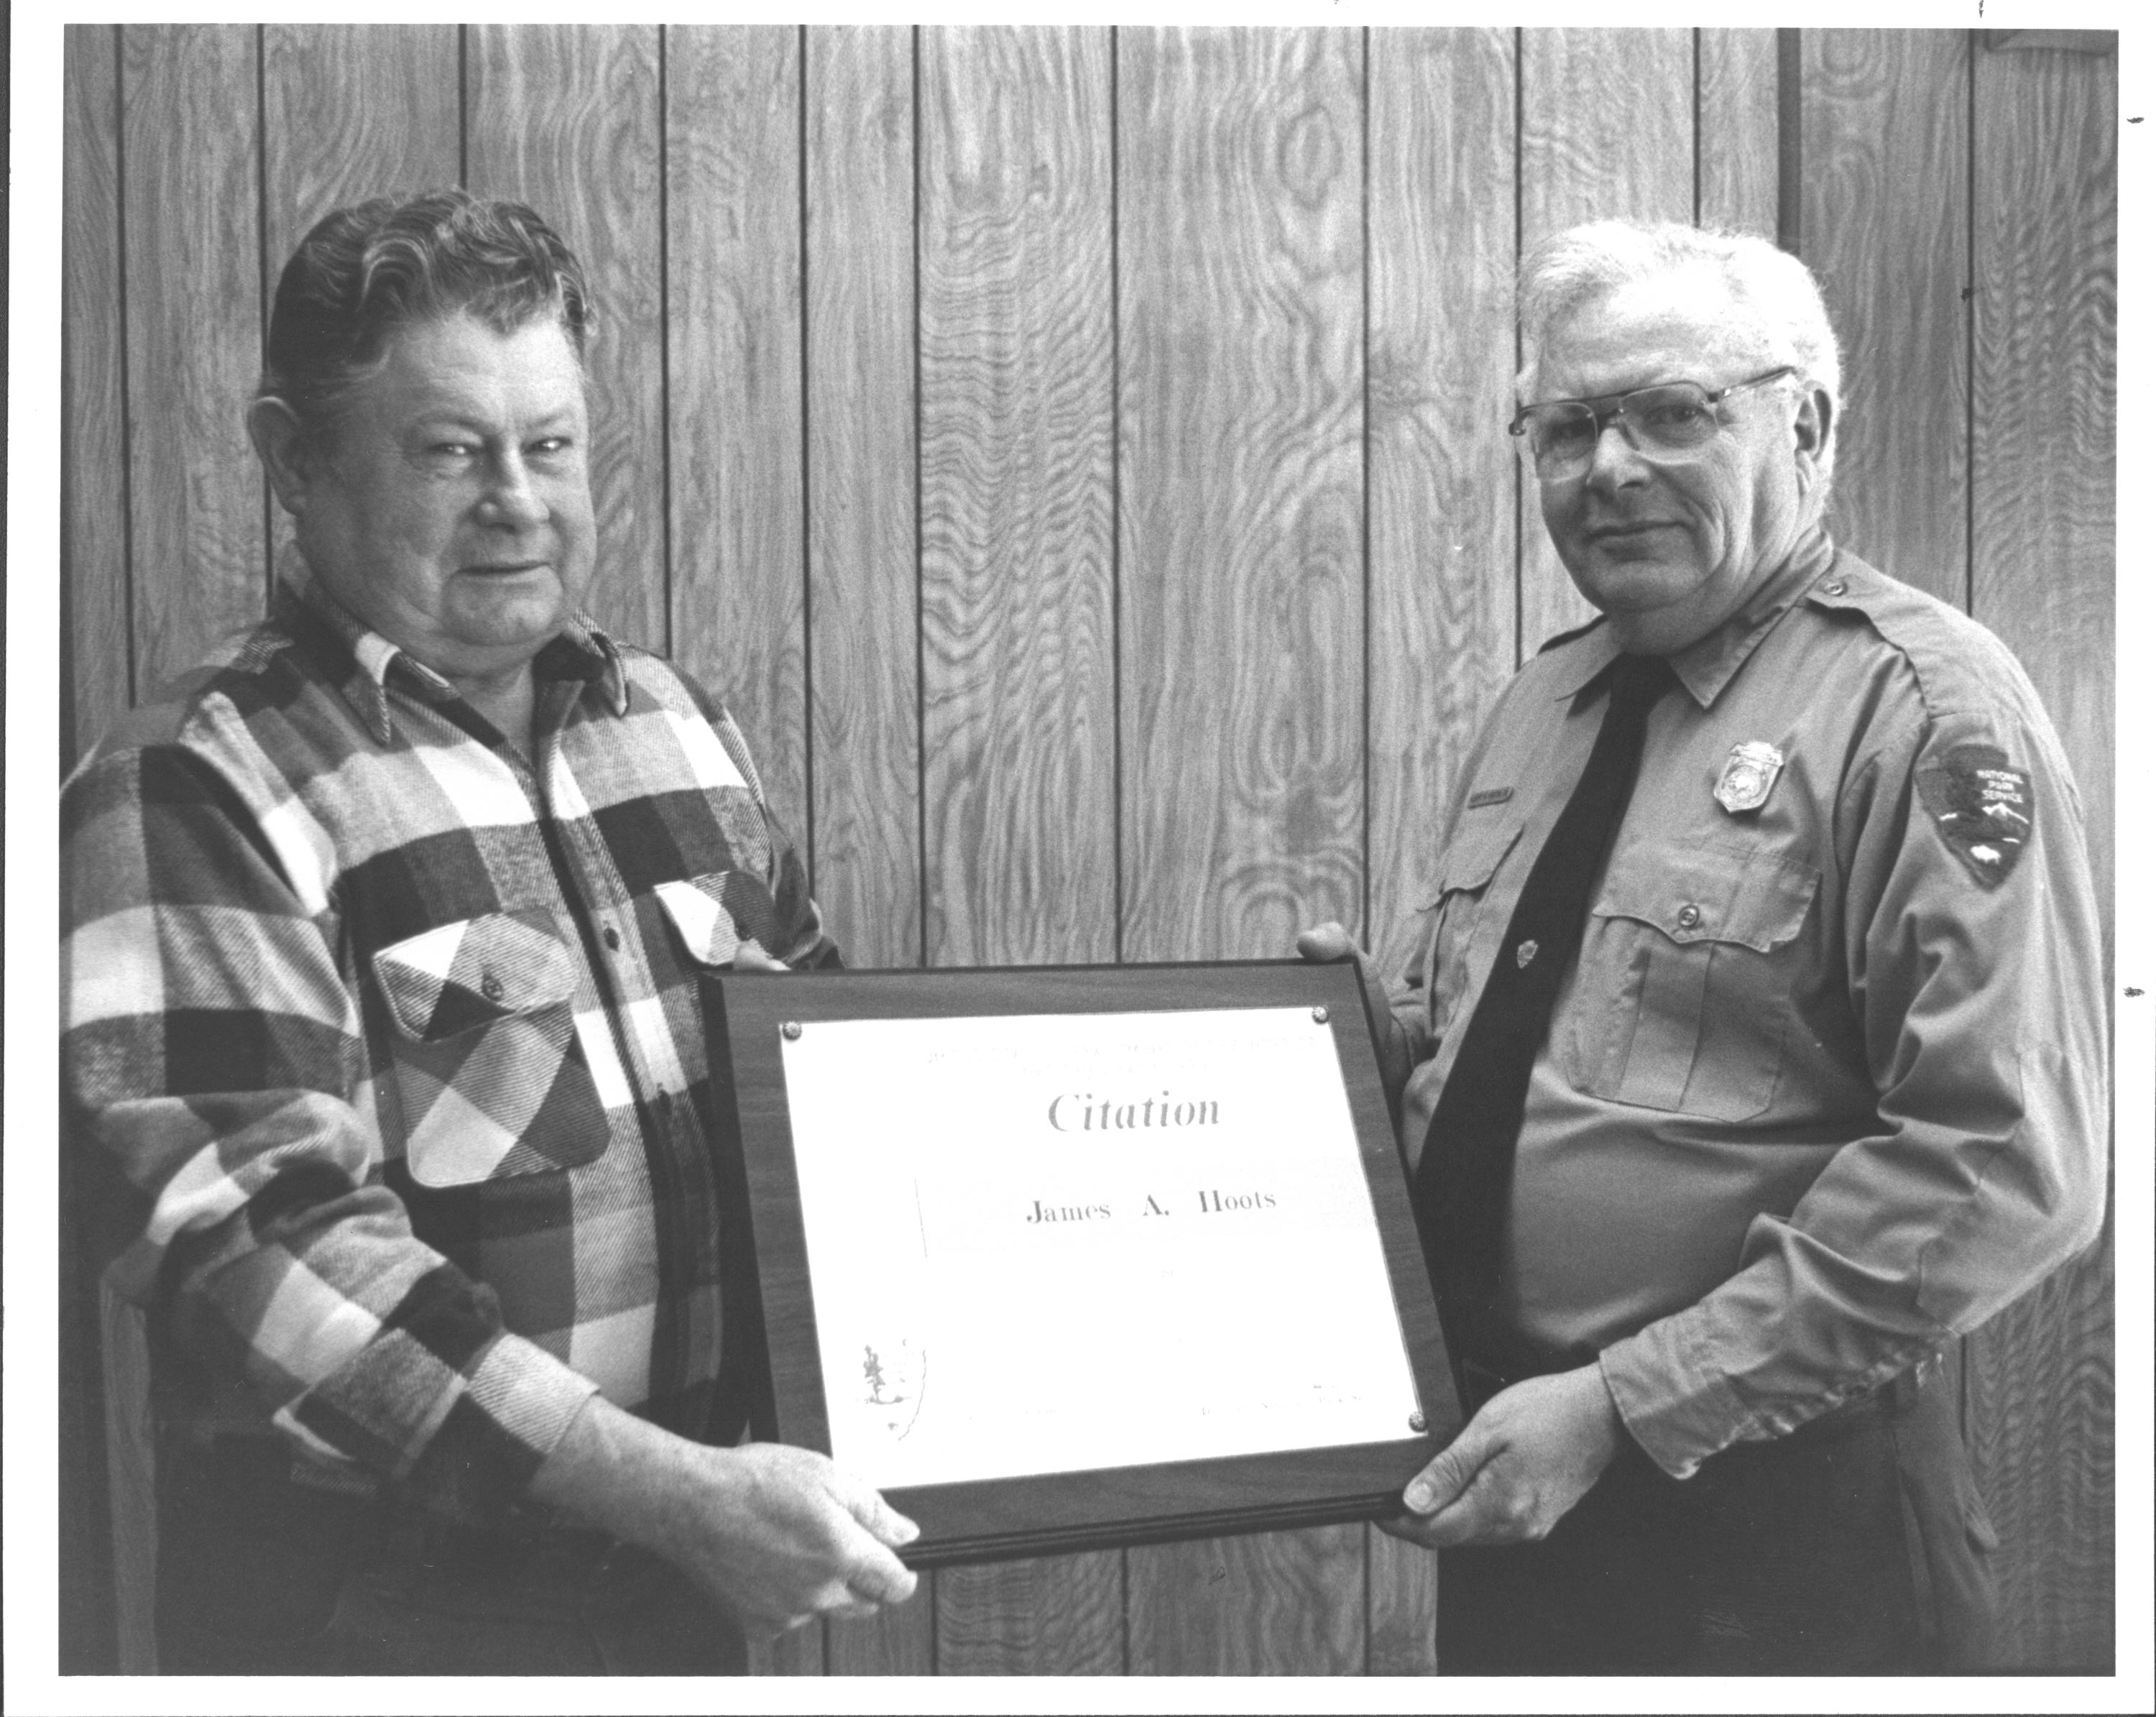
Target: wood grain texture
1242 410
863 566
2040 1388
734 395
1403 1584
95 653
1443 476
1605 130
1884 224
566 118
894 1642
1739 116
1239 209
1049 1615
1017 525
2043 469
352 111
1272 1603
192 277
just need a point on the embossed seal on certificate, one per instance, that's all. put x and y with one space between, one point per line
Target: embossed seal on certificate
1749 777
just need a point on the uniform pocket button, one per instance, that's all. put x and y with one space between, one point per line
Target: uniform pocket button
1688 918
490 986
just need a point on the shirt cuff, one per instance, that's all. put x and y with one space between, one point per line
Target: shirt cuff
1677 1407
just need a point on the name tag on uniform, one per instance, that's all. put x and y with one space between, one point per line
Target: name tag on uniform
1749 777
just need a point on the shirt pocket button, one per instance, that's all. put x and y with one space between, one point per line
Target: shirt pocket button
490 986
1688 918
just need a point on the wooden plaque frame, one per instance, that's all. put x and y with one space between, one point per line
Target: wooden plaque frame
773 1346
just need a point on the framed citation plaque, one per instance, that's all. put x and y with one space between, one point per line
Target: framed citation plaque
1064 1257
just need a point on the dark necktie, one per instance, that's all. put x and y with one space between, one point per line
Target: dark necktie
1464 1179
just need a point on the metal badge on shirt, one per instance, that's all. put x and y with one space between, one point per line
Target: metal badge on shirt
1985 808
1749 777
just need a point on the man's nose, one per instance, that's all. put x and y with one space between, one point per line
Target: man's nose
511 498
1617 463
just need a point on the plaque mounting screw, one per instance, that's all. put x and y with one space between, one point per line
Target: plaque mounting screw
1320 1015
790 1031
1417 1422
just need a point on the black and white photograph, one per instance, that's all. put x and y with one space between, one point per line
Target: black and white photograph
1271 847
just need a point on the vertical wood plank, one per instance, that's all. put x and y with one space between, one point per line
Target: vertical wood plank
1018 561
896 1642
1017 380
1051 1616
1241 413
1605 130
192 268
1403 1606
1443 475
1885 225
2042 476
734 399
1273 1603
566 118
1238 215
1739 136
352 111
95 650
863 567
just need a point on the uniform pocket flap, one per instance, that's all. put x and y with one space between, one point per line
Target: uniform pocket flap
1708 893
1474 855
473 973
716 913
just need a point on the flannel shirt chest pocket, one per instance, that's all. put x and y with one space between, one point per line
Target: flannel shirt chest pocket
490 1075
1686 978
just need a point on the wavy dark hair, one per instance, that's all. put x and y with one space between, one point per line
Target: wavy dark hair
361 273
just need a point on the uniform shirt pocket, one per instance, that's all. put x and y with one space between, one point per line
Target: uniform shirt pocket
1685 978
490 1075
717 914
1465 873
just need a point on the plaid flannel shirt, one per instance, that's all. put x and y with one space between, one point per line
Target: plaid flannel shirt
383 1046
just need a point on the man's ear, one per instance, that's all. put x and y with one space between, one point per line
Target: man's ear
282 447
1814 424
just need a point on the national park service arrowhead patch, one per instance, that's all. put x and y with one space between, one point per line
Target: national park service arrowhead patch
1985 808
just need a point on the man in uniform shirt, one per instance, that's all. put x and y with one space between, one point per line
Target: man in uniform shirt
383 1034
1824 1085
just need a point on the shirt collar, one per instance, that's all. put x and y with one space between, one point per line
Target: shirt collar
362 660
1705 666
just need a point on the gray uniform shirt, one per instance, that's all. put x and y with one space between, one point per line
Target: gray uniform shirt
1827 1085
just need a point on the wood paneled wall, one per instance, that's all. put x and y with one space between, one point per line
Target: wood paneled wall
1077 456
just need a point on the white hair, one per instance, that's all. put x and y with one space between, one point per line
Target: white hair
1768 287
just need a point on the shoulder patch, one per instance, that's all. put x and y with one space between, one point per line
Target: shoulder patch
1985 810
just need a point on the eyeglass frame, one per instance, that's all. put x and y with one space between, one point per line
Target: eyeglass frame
1616 403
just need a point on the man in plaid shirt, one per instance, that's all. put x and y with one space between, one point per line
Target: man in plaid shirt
383 1040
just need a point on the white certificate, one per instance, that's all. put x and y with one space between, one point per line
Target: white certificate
1042 1243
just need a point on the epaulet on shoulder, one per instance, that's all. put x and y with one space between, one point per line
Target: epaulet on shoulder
1550 644
1957 661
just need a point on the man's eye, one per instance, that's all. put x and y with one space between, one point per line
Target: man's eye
1677 414
551 445
452 449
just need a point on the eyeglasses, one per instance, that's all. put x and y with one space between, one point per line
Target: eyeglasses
1672 423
